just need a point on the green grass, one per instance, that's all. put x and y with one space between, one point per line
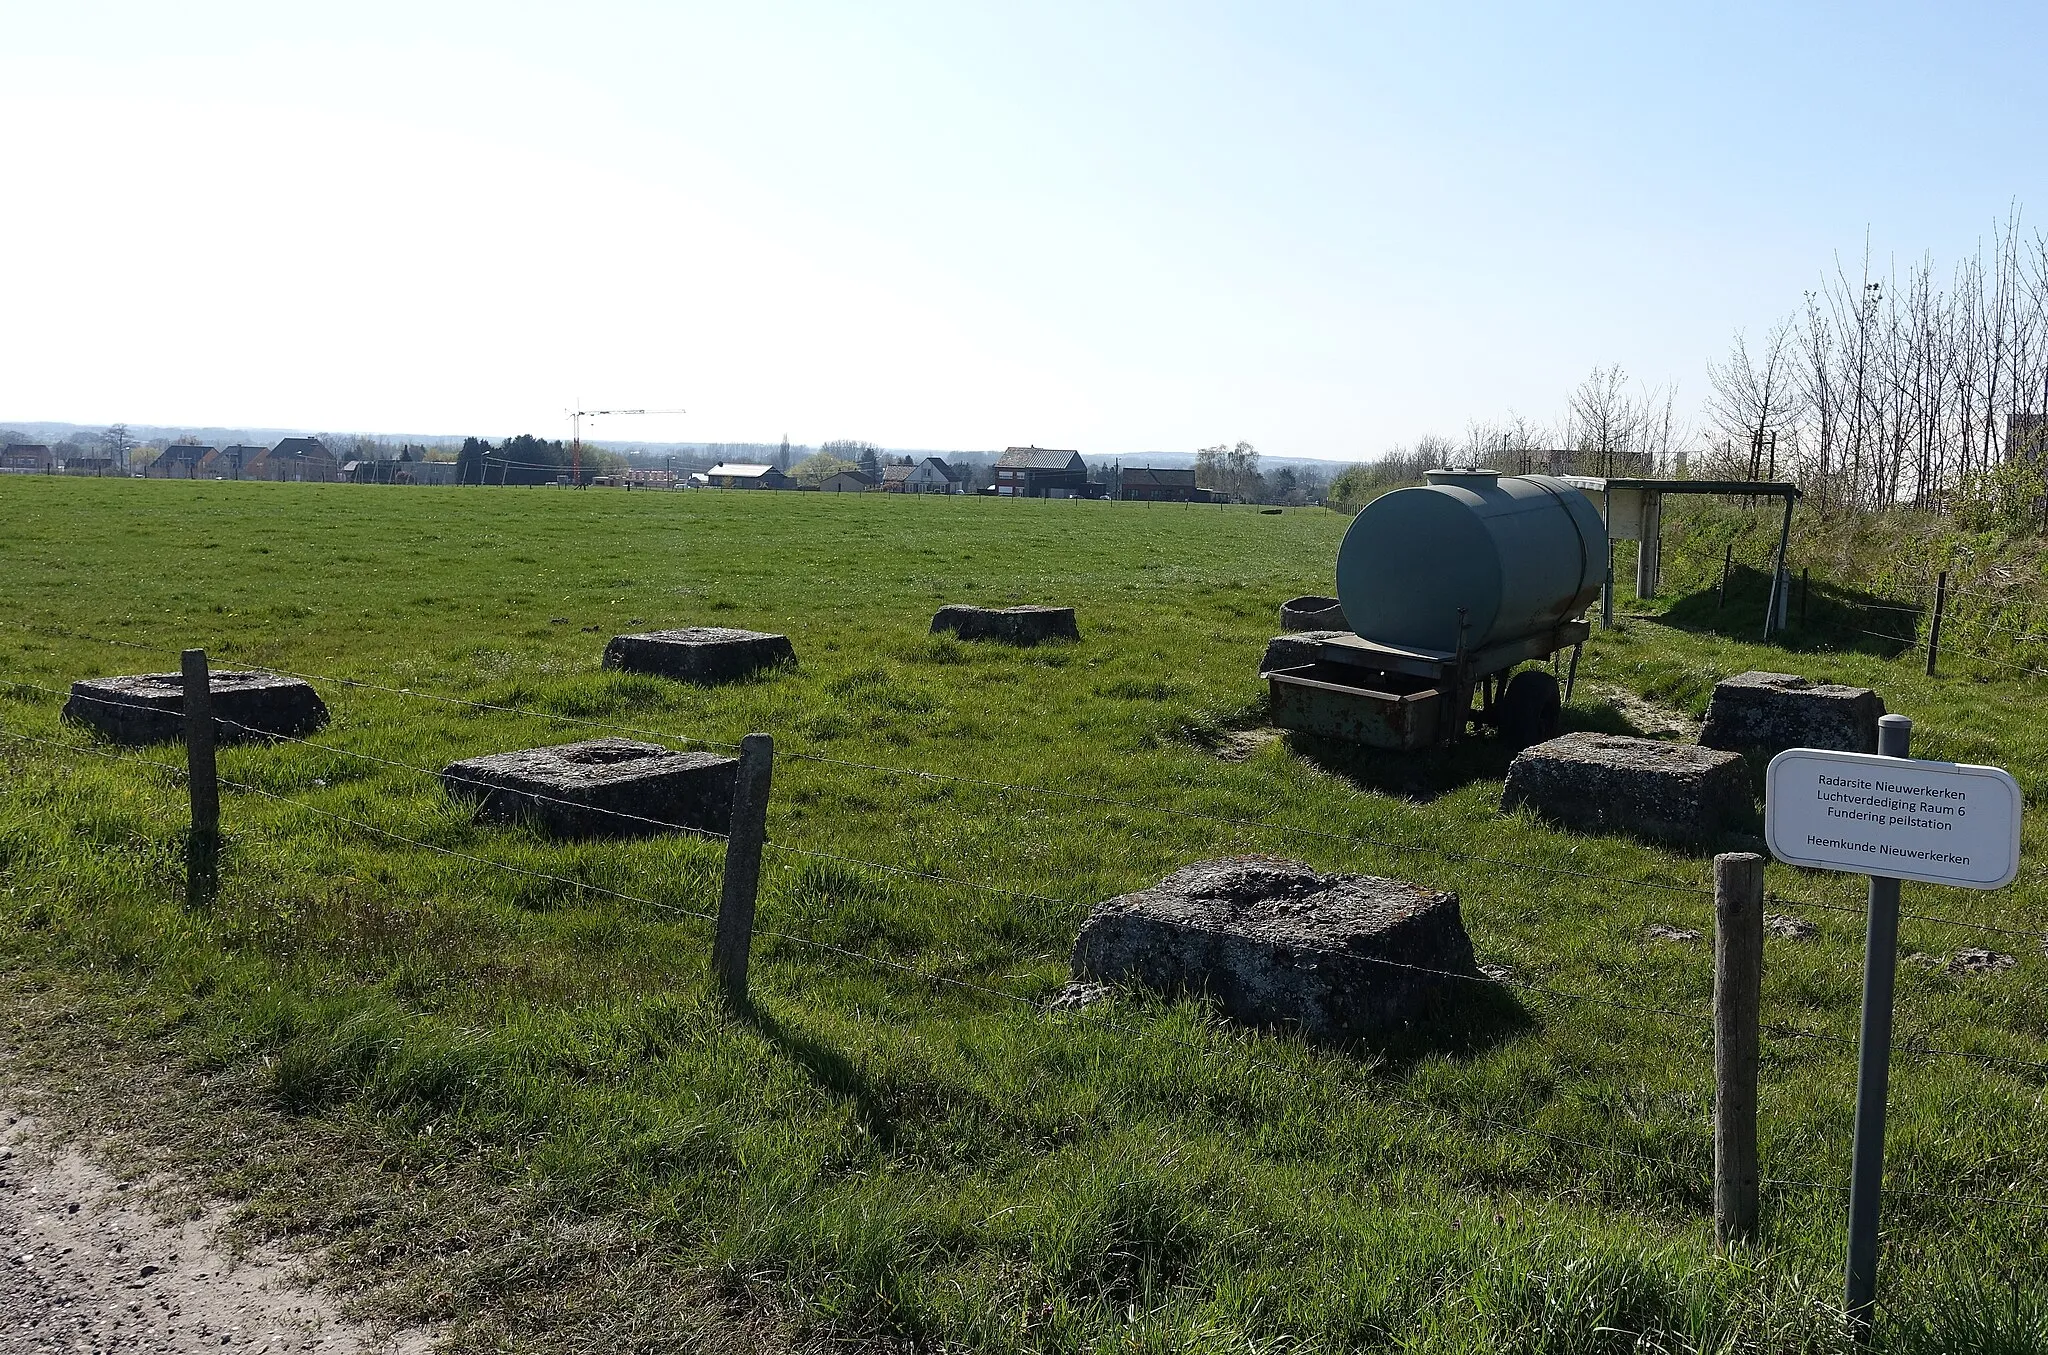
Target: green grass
873 1155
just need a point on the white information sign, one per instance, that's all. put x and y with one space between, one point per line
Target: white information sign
1943 823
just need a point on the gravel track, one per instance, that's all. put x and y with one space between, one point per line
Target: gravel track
87 1266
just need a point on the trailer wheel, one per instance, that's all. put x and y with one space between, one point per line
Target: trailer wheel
1527 712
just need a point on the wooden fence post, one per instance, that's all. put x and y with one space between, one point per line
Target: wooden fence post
1738 995
1934 629
733 941
1727 563
202 844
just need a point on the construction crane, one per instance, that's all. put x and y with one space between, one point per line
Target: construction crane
576 418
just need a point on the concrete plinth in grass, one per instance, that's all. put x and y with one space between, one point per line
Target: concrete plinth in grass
1770 712
599 788
1678 794
1313 613
150 707
1010 625
1273 943
699 653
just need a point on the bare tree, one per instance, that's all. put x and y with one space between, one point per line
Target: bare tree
1755 399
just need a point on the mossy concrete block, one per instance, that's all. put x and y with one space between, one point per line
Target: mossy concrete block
699 653
150 707
599 788
1274 943
1770 712
1293 651
1678 794
1010 625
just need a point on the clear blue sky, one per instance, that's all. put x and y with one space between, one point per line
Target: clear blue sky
1119 227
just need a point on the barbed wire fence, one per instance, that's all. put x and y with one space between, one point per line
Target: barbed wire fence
1699 1021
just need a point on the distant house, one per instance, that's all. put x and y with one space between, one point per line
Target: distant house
1040 472
229 463
848 482
933 476
1152 485
179 461
27 458
90 463
298 460
723 476
896 479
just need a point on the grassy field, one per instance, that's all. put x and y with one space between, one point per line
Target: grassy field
870 1155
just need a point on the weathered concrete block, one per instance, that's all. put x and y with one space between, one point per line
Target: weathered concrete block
1276 944
150 707
1313 613
599 788
699 653
1011 625
1770 712
1679 794
1292 651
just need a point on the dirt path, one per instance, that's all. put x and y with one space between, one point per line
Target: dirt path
87 1266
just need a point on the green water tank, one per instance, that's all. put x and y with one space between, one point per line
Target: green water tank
1518 553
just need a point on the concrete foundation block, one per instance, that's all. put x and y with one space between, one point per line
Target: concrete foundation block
1678 794
1313 613
150 707
1273 943
599 788
1770 712
699 653
1011 625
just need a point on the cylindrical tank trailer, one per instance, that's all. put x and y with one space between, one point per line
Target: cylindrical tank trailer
1448 586
1473 558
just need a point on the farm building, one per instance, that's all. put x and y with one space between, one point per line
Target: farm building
741 476
933 476
848 482
27 458
1041 472
1152 485
179 461
91 463
299 460
895 478
228 463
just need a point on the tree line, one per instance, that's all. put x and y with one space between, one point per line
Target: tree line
1886 385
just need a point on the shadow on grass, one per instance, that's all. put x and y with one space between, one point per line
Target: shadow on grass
1423 775
831 1070
1833 616
1465 1019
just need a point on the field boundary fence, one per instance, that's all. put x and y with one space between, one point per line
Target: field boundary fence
1733 1017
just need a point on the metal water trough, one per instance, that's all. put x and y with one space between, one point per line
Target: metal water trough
1449 587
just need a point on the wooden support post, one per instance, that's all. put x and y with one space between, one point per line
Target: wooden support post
1738 995
1934 627
202 844
1727 563
733 942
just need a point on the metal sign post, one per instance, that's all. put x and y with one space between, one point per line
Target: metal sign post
1893 819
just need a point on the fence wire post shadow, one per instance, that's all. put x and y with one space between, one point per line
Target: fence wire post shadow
733 940
1738 994
1934 626
202 843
